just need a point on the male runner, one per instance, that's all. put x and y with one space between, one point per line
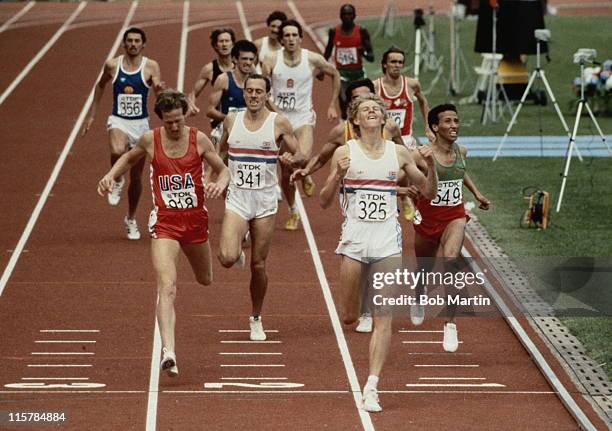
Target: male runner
365 171
270 44
350 43
228 92
292 71
132 74
222 41
441 232
254 139
179 220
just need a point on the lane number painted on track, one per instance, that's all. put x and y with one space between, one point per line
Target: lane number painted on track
262 385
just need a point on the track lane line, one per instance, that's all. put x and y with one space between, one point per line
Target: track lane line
567 400
18 15
41 53
8 271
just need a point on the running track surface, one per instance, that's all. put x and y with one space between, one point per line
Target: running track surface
78 273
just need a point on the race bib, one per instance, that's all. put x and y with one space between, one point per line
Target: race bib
180 199
286 100
346 56
249 175
450 193
372 206
398 115
235 109
129 105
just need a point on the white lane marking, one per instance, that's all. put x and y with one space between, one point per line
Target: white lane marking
250 353
250 342
58 166
62 353
55 378
68 330
425 342
59 365
253 378
255 392
41 53
183 48
251 365
308 29
217 23
446 365
518 330
471 392
455 385
65 341
154 380
18 15
403 331
500 392
452 378
72 392
439 353
245 330
243 21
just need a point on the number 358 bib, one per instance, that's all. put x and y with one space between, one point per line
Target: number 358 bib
450 193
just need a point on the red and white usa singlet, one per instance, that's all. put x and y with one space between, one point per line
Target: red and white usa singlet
178 193
399 106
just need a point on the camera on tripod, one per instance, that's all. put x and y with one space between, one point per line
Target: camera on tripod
542 34
585 55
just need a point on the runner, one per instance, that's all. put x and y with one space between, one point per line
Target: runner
254 138
228 91
292 71
352 43
179 220
365 172
222 41
270 44
441 232
132 74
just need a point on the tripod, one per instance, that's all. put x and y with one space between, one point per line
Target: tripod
490 107
537 73
457 57
582 103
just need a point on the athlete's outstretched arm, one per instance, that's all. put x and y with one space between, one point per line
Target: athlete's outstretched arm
107 75
156 82
334 140
289 147
340 164
483 201
366 43
424 107
213 190
321 64
427 183
330 44
200 84
228 123
221 85
125 162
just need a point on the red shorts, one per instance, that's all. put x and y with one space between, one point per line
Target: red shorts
436 218
434 229
186 227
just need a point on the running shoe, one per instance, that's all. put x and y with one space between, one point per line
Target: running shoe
115 195
168 363
292 222
131 228
417 314
257 330
365 323
308 185
370 401
451 343
409 209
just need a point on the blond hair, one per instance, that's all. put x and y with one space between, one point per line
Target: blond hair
354 109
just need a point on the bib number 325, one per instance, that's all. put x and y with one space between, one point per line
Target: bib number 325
372 207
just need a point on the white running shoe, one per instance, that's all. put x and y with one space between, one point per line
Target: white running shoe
257 330
168 363
417 314
370 401
365 323
451 343
115 195
131 228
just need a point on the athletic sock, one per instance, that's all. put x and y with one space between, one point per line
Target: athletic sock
371 383
293 209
